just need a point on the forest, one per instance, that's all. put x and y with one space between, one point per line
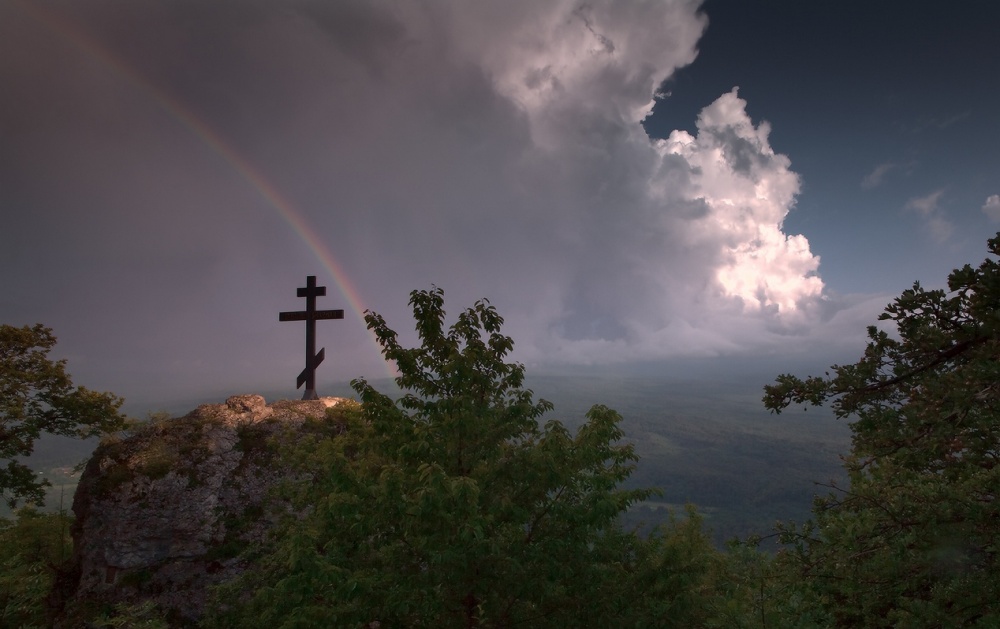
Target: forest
458 502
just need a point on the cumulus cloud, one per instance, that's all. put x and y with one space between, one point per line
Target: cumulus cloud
747 190
492 148
695 261
991 207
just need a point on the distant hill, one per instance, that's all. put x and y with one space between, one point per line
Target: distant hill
707 442
713 444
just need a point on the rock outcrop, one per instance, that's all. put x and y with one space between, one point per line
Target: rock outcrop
163 514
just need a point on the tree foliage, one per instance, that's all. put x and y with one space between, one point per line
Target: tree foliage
37 396
452 507
913 541
33 548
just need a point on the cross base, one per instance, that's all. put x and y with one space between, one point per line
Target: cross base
310 394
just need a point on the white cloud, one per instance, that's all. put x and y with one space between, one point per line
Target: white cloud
991 207
697 262
875 177
748 191
928 207
925 205
940 228
951 120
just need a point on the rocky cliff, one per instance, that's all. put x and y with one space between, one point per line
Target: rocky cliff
163 513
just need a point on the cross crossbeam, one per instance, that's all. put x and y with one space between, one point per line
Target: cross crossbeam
310 315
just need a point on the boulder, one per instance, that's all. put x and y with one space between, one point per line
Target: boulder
163 513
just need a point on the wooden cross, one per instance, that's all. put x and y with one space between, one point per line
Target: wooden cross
310 315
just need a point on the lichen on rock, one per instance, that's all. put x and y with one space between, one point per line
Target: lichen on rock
163 513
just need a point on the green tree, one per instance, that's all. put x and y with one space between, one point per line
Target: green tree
144 615
33 548
755 589
452 507
914 540
37 396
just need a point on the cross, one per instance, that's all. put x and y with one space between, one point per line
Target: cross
310 315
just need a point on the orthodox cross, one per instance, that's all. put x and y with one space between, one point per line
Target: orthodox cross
310 315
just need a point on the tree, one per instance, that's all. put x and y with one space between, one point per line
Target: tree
37 396
33 549
452 507
914 540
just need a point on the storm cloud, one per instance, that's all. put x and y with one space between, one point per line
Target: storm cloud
166 167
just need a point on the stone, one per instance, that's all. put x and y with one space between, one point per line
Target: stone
162 514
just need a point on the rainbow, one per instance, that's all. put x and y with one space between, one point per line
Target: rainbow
208 136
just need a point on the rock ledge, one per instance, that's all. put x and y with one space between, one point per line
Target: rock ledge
163 513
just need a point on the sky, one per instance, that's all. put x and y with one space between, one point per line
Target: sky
629 183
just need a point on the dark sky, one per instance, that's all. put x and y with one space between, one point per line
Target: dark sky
171 171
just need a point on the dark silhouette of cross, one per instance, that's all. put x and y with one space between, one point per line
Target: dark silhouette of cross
310 315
